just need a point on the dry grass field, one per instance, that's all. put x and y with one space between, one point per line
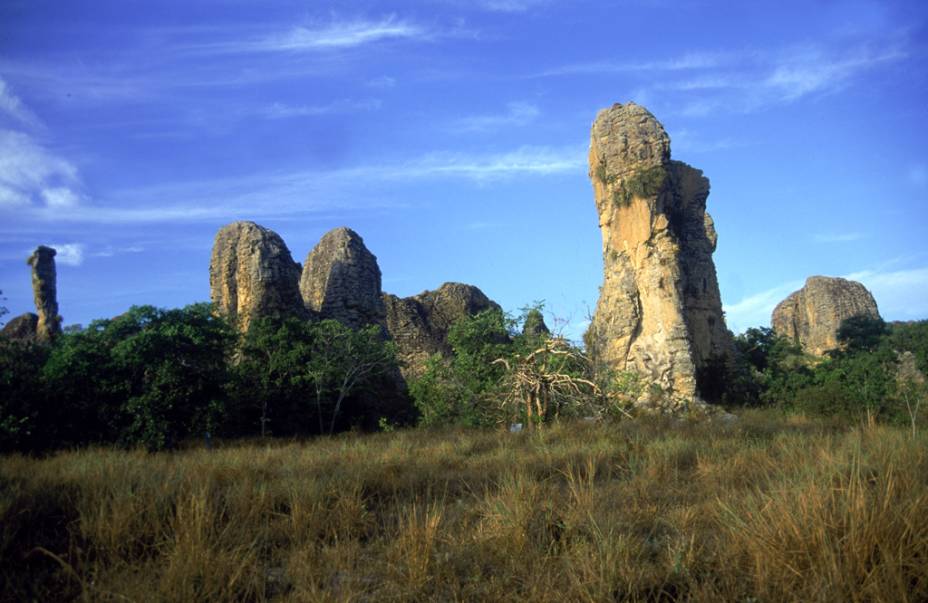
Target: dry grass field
770 508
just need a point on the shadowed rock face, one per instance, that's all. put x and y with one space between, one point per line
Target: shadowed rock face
252 274
22 328
812 316
419 324
341 280
45 293
659 311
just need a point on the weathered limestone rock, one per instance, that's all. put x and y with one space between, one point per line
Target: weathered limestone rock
812 316
252 274
659 311
341 280
22 328
45 293
419 324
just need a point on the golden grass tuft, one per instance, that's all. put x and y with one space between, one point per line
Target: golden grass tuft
770 508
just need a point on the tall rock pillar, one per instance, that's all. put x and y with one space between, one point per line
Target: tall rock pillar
45 292
252 274
659 312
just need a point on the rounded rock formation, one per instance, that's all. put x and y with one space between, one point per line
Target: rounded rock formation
341 280
659 312
252 274
22 328
811 316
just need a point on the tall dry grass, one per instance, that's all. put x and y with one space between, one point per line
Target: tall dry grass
767 509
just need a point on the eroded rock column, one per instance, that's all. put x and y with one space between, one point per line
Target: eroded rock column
659 312
45 293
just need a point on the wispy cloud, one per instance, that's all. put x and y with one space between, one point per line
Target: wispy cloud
13 107
522 161
747 81
511 6
900 294
284 111
335 35
838 237
755 309
516 114
686 62
307 192
31 173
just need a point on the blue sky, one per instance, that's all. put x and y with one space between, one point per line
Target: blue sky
452 135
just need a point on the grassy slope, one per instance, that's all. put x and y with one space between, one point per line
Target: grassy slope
770 509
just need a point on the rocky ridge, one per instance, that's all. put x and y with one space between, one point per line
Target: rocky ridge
811 316
419 324
659 312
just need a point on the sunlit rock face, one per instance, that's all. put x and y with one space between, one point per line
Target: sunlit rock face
341 280
812 316
419 324
252 274
45 293
659 312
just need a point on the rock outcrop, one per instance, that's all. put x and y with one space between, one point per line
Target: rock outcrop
534 325
419 324
659 311
252 274
812 316
45 293
22 328
341 280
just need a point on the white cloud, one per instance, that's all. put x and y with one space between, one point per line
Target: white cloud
833 237
525 160
60 197
750 80
10 197
517 114
284 111
690 61
28 171
12 106
331 36
306 192
69 254
900 294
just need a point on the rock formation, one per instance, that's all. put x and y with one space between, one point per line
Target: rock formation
659 311
812 316
252 274
22 328
534 325
341 280
45 293
419 324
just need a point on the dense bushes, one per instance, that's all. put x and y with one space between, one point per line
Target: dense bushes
154 377
863 378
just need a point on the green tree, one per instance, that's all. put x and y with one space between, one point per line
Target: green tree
270 375
174 364
344 361
22 400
